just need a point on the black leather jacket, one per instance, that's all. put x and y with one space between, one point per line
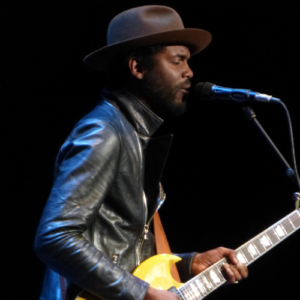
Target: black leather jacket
92 227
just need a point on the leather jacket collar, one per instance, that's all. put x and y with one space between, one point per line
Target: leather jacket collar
143 120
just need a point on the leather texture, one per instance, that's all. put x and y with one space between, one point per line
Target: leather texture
93 222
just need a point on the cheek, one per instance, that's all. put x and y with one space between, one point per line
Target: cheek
171 79
169 72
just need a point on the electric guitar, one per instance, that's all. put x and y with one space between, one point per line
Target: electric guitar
156 269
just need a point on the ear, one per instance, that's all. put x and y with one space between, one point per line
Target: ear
135 68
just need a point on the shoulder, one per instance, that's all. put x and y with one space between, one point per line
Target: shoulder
94 137
105 112
102 120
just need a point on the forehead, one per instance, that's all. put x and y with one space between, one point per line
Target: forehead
182 51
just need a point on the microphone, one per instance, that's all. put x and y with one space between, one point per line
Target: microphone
210 91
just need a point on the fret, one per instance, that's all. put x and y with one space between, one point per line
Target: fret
246 253
218 271
288 226
252 250
281 233
258 246
214 277
222 278
201 287
241 258
180 295
265 241
185 292
273 236
190 292
207 282
195 291
295 218
292 224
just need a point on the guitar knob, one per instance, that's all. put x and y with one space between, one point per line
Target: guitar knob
296 196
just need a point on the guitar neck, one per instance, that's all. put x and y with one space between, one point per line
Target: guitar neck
209 280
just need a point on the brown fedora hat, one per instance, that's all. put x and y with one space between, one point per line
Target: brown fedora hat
145 26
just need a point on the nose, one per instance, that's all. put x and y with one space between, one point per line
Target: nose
188 72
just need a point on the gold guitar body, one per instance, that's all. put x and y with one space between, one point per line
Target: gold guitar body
155 270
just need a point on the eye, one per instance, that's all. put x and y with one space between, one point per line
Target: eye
176 62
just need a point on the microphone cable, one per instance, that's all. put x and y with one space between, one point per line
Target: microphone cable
294 164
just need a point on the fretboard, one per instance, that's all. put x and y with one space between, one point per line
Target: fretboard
206 282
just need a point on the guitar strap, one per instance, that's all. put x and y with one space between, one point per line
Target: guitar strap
162 245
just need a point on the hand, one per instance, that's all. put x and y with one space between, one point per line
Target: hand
235 271
154 294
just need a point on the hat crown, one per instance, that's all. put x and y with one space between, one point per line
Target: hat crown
142 21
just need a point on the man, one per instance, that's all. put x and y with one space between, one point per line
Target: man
94 229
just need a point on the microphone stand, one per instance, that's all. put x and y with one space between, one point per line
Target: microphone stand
290 173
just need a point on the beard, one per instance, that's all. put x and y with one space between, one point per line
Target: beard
161 95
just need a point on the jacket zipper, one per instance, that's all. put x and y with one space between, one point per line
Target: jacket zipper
144 232
162 198
138 247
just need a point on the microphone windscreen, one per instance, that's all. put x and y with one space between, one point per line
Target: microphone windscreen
203 90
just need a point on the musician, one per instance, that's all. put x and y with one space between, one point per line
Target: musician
107 173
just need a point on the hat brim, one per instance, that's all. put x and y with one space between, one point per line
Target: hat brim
195 39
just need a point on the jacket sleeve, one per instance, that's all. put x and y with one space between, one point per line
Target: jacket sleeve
184 266
87 164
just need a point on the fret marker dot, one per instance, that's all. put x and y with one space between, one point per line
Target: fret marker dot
207 283
279 231
214 277
252 250
265 241
201 287
195 290
241 258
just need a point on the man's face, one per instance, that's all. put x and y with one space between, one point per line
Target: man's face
165 84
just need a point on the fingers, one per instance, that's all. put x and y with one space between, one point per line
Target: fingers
235 273
241 269
229 253
233 270
229 274
232 257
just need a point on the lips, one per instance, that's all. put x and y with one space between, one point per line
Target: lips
184 89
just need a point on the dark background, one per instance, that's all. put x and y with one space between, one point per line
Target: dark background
224 185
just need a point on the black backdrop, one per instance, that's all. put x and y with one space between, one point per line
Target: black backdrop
223 183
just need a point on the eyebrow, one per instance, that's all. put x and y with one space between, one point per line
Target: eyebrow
182 56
